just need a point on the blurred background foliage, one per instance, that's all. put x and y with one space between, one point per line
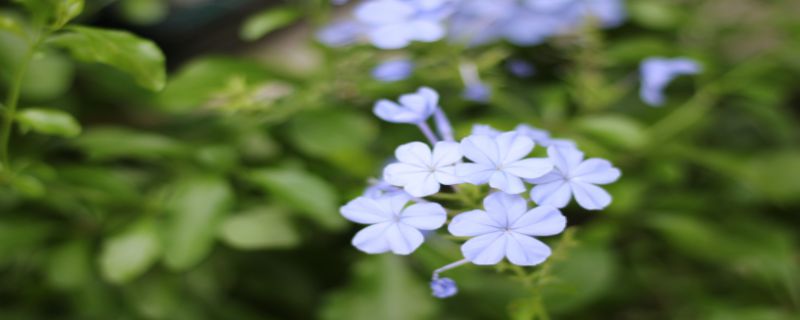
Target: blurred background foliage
217 196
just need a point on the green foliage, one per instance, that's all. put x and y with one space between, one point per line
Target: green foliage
259 25
261 228
48 121
131 252
139 58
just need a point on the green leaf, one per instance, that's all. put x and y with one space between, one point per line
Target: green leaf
303 191
69 265
775 175
262 228
616 131
109 143
144 12
140 58
195 211
12 24
267 21
48 121
127 255
66 10
383 288
581 278
327 132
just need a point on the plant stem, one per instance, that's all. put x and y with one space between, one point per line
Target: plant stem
13 99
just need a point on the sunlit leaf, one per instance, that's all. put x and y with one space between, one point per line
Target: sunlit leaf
138 57
130 253
262 228
48 121
106 143
267 21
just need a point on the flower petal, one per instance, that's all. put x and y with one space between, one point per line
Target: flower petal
589 196
400 174
416 153
391 36
596 171
422 185
430 95
523 250
371 239
552 176
506 182
403 239
447 175
414 102
445 153
366 211
480 149
513 146
565 158
556 194
425 216
393 112
383 12
540 221
475 173
426 31
487 249
529 168
472 223
504 208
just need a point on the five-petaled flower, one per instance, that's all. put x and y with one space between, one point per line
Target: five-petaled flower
414 108
507 229
499 161
393 226
420 171
574 177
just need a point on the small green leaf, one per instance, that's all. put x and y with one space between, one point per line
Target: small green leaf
66 10
69 265
267 21
48 121
12 24
138 57
196 209
615 131
129 254
109 143
325 132
302 191
144 12
262 228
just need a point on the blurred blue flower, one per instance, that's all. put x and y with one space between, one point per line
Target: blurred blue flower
507 229
380 188
421 171
484 130
658 72
572 176
478 92
414 108
520 68
340 34
393 226
393 70
394 24
443 288
500 161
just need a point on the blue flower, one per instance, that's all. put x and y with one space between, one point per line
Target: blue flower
506 229
574 177
520 68
381 188
393 226
394 24
420 171
414 108
340 34
657 73
478 92
393 70
443 288
499 161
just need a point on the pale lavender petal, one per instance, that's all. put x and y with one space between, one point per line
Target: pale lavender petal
426 31
472 223
425 216
422 185
552 176
475 173
484 130
447 175
596 171
396 202
416 153
393 70
511 146
446 152
480 149
504 208
393 112
506 182
529 168
393 36
526 251
487 249
540 221
371 239
589 196
556 194
403 239
400 174
565 159
366 211
384 12
430 96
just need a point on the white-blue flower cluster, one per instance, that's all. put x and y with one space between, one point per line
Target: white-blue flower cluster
394 24
397 210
